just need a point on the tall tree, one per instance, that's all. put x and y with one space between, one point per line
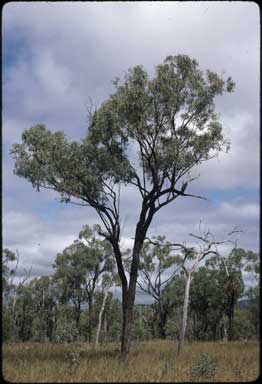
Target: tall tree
45 307
253 292
191 258
229 277
106 285
150 133
9 266
8 258
189 261
205 307
78 270
10 262
157 268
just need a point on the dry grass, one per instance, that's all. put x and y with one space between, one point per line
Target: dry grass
154 361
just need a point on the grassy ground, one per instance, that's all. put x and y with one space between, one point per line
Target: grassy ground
153 361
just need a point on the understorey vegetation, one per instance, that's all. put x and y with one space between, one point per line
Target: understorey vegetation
80 300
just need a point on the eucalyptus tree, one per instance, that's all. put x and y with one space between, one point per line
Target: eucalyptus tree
107 283
253 292
9 266
229 277
205 307
44 298
11 291
157 267
79 268
9 258
253 295
149 133
190 261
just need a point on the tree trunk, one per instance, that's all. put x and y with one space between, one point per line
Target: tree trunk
53 322
129 300
162 323
230 326
78 313
125 335
14 315
225 333
129 290
100 317
184 317
121 272
224 330
90 308
127 323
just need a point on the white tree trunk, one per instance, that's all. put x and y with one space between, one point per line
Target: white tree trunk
225 338
184 317
100 317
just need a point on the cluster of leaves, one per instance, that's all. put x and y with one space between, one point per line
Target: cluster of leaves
66 332
170 118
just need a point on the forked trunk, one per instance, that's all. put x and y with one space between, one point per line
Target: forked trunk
129 290
128 303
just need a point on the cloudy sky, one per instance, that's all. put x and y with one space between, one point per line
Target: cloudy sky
56 56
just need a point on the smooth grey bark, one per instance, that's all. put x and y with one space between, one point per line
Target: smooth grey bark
225 337
185 311
100 316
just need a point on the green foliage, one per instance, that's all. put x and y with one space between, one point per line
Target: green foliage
157 267
73 169
7 329
66 331
144 109
24 312
171 117
244 326
80 266
8 257
141 329
253 308
204 368
227 275
206 304
39 329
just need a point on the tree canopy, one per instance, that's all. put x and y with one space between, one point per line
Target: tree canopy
170 120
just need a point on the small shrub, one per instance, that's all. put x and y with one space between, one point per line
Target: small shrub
72 358
204 367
